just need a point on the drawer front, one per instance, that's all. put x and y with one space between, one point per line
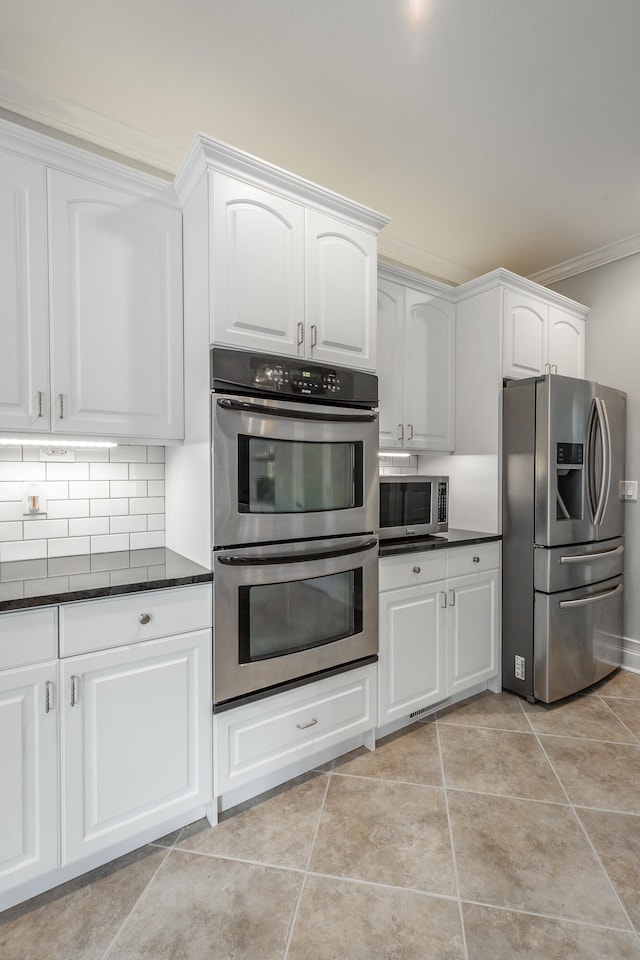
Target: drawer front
263 737
411 569
116 621
28 636
472 559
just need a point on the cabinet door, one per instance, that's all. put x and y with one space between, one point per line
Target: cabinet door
341 264
429 372
411 667
29 783
257 260
136 739
24 328
116 312
566 343
472 630
526 326
390 363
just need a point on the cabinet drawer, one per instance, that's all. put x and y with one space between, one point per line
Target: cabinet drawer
266 736
28 636
411 569
115 621
472 559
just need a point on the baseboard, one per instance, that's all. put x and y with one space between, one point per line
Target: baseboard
631 655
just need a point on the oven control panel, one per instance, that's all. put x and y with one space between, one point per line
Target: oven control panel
309 381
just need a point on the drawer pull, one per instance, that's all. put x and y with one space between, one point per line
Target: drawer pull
304 726
145 618
476 559
416 569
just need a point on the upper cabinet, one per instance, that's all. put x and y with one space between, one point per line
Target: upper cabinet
540 337
416 357
91 288
289 268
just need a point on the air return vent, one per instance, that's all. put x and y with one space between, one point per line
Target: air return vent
425 710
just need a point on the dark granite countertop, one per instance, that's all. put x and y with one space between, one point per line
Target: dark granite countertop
453 538
36 583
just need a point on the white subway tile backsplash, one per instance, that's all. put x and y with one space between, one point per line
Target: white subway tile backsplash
89 490
35 588
88 527
104 501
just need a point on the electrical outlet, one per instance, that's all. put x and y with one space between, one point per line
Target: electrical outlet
628 489
57 455
518 667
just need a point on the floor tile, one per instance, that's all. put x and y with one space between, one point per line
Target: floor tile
341 920
526 855
603 775
500 711
278 827
587 717
391 833
623 684
504 935
616 838
410 756
628 711
78 920
497 761
203 907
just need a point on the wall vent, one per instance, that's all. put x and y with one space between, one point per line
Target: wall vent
426 710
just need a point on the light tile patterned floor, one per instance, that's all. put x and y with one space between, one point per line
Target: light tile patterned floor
496 829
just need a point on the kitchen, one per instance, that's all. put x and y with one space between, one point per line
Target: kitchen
615 377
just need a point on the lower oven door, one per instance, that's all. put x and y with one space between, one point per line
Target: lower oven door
284 612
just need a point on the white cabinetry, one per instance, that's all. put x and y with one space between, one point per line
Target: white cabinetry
416 351
439 627
92 330
291 267
265 739
540 337
29 746
136 723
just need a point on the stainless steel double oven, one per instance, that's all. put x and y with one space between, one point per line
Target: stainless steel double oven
295 509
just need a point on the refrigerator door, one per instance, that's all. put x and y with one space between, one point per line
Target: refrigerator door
606 460
577 565
577 638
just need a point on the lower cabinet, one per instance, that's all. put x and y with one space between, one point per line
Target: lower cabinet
259 739
133 719
439 627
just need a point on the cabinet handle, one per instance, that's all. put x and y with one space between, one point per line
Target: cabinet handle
443 599
410 437
300 333
145 618
416 569
547 368
40 399
554 367
452 598
303 726
61 402
476 559
74 690
401 432
314 335
48 696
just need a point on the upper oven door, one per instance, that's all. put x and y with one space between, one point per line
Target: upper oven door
288 471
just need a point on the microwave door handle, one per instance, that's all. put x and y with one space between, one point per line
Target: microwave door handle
255 560
243 406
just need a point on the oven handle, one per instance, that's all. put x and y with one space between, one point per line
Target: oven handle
255 561
243 406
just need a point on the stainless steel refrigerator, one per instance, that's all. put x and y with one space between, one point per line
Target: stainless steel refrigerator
563 525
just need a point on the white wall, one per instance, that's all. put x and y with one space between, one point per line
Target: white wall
613 358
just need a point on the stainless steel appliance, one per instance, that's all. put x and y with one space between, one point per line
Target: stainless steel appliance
413 506
295 507
563 525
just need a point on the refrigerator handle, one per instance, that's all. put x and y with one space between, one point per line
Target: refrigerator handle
592 426
605 476
588 557
581 601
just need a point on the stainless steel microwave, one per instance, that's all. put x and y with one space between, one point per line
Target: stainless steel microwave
413 506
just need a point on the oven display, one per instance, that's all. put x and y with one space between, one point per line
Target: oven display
289 378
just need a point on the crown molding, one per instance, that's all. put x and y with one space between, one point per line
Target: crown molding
589 261
406 255
399 274
523 285
28 100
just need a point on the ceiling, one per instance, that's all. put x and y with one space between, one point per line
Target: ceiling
492 132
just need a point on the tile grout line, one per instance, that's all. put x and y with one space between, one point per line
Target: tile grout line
619 719
456 877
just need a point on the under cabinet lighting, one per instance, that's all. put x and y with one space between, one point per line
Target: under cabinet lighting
30 442
392 453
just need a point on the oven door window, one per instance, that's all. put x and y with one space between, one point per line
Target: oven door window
276 619
295 476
